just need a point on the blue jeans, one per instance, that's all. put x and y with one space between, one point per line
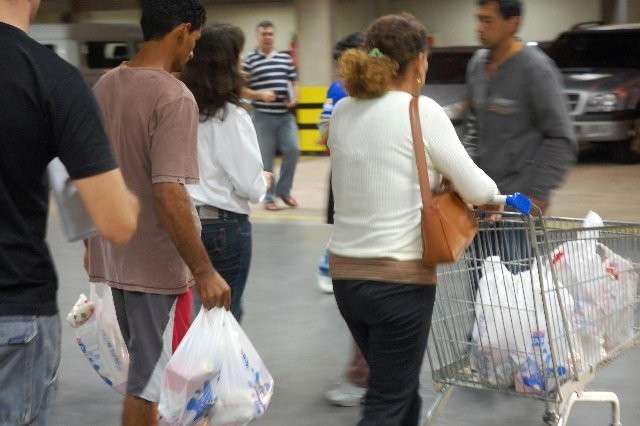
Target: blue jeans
29 360
278 132
228 243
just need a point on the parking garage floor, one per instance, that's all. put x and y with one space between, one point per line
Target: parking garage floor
301 336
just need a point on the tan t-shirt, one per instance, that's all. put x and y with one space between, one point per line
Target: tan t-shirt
151 119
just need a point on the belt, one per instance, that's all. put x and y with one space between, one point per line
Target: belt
214 213
208 212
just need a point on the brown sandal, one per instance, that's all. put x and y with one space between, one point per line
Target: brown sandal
290 201
271 206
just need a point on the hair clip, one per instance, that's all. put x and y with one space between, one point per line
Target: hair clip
376 53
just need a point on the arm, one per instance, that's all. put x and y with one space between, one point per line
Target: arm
99 194
470 133
174 210
559 149
79 140
258 95
293 78
241 160
449 157
173 154
255 95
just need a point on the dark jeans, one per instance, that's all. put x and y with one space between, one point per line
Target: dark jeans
228 243
390 323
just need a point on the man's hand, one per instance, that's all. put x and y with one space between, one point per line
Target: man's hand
543 205
267 96
214 290
291 104
268 177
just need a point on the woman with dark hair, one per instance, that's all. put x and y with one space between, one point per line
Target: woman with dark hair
383 291
231 172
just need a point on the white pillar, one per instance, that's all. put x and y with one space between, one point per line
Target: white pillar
315 41
621 12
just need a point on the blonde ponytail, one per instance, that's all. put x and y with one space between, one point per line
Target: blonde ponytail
366 76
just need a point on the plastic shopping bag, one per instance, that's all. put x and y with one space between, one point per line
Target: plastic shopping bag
99 337
192 372
619 327
511 339
215 373
76 223
604 286
245 386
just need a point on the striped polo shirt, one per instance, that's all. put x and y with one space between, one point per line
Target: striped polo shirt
273 72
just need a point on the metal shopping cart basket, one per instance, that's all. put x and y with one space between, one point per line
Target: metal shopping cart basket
535 308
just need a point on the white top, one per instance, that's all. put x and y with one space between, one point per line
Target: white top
230 163
375 177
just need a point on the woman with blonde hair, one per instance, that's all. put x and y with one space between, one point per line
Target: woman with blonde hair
383 291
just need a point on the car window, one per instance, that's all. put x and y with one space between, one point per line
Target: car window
107 54
448 67
614 49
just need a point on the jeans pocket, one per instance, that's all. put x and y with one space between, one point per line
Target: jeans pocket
214 237
17 338
17 330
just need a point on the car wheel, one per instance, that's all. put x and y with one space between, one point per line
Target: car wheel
627 152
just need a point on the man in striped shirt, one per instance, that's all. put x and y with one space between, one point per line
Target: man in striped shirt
271 71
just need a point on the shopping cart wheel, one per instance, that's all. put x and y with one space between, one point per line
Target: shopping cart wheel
444 393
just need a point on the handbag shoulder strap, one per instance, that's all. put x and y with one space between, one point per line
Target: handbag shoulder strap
419 149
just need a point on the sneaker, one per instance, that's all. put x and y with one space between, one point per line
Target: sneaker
324 280
346 395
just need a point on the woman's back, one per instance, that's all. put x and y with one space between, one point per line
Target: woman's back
376 189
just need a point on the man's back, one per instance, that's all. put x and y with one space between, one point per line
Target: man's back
151 119
46 110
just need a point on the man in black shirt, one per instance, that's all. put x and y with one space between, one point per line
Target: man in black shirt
46 111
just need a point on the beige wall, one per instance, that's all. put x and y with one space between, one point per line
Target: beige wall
246 16
634 10
452 22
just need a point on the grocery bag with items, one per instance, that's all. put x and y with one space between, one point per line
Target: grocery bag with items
215 374
99 337
604 286
511 339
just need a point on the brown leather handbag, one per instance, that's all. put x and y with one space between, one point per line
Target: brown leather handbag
448 224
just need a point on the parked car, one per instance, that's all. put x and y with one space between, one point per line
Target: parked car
92 48
601 68
446 81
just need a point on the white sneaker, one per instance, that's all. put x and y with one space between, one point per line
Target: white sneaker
346 395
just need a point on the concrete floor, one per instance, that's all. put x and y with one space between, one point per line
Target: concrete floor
302 338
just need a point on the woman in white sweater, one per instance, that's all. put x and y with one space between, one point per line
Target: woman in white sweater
384 293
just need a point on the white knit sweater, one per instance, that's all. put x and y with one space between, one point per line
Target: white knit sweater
375 178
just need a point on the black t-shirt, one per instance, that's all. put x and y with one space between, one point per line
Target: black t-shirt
46 111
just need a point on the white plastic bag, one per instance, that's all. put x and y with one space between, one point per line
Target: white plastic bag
245 386
76 223
99 336
511 337
188 384
604 286
215 373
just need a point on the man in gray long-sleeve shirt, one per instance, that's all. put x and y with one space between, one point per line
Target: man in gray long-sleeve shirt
518 131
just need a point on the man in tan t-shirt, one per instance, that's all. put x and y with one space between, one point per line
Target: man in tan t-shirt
151 119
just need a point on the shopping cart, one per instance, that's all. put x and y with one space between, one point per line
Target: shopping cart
536 307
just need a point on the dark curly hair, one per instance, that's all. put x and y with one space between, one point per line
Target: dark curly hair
160 17
213 75
399 39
